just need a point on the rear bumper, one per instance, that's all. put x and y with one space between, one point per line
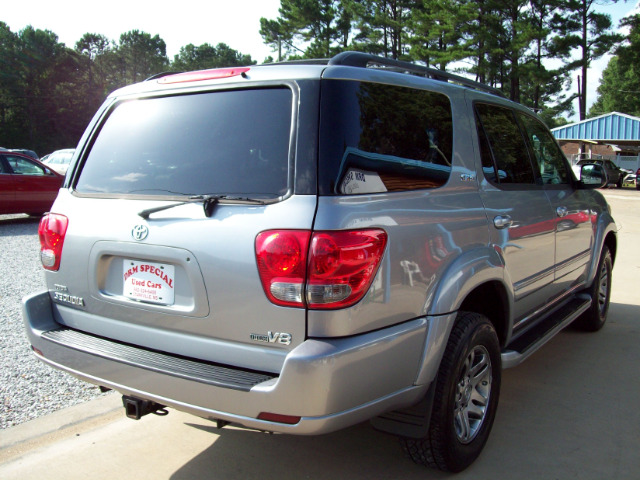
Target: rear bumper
329 383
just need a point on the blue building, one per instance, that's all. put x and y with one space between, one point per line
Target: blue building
615 136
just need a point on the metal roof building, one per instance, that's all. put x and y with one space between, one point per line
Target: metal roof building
614 136
612 128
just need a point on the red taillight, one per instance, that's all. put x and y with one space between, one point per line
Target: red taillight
213 74
342 266
282 263
51 231
326 270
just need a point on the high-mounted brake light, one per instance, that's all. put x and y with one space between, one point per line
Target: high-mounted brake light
323 270
52 229
199 75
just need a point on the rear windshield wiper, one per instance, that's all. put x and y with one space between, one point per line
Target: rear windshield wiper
209 203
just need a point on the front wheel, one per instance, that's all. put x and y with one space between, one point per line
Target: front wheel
466 397
594 319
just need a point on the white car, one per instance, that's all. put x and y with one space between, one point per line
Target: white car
59 160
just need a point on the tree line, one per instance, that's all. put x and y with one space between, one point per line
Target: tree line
506 44
529 49
49 92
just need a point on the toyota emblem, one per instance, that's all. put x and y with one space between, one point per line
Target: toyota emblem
139 232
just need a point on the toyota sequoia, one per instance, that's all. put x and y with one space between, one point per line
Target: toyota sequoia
300 247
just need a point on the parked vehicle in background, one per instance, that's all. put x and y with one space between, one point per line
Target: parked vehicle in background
297 248
28 153
26 185
59 160
615 174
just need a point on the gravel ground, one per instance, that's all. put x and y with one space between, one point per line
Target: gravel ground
28 388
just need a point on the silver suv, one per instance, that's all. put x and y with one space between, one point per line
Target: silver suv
297 248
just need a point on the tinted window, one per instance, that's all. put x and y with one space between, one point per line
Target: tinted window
377 138
227 142
506 146
547 156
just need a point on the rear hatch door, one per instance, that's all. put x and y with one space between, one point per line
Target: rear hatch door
164 209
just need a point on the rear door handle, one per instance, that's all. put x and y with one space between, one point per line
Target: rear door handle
502 221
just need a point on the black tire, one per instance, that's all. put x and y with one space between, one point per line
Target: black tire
466 397
594 319
620 182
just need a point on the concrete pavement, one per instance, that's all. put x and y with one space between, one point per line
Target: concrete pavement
569 411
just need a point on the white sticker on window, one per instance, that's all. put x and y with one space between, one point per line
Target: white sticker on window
359 181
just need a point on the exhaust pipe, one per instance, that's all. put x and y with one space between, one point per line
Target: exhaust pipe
136 408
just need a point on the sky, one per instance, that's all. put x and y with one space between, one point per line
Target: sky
178 23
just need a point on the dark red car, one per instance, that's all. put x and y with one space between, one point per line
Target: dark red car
26 185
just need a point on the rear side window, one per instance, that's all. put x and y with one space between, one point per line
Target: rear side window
378 138
504 153
223 142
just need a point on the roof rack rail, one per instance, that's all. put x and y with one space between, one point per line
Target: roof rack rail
302 61
363 60
159 75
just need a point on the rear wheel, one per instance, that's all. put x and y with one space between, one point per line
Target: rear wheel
466 398
594 319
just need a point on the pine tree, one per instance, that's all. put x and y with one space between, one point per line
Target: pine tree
580 27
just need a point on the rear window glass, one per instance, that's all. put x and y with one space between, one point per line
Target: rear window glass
379 138
224 142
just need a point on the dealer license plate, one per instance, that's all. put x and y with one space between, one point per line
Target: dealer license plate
149 282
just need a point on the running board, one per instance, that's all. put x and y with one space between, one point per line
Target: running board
525 345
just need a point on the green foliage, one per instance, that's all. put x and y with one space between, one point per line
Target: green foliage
384 26
37 94
278 35
139 56
619 89
323 26
207 56
441 31
48 92
580 27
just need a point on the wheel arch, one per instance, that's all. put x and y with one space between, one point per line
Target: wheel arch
605 236
490 299
474 282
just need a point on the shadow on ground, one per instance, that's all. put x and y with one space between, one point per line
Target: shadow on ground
571 407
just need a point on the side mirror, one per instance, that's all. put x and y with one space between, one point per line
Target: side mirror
593 175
